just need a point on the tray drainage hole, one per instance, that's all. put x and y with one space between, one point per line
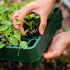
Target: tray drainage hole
31 43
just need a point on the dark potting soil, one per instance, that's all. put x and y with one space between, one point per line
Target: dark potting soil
32 33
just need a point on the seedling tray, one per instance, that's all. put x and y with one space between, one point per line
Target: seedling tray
36 46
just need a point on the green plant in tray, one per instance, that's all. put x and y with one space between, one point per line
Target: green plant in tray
11 36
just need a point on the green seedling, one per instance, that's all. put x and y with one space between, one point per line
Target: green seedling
2 45
11 36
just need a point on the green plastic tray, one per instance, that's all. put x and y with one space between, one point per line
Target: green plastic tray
37 45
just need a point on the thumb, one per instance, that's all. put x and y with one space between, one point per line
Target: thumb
56 50
49 55
43 24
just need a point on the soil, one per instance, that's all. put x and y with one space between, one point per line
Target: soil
34 33
54 64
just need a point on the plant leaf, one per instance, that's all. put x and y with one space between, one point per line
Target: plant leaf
32 15
17 35
25 33
13 41
23 44
7 32
9 1
3 27
3 40
9 23
2 45
19 22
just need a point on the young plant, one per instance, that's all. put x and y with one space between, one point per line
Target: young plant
11 36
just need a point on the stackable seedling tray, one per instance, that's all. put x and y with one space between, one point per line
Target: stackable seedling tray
36 46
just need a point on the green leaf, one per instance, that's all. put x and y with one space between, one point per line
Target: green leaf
23 44
9 23
15 6
3 40
9 1
37 17
25 33
7 33
3 27
13 41
17 31
17 35
2 45
24 3
32 15
19 22
31 25
67 29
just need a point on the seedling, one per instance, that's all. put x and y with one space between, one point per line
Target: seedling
12 37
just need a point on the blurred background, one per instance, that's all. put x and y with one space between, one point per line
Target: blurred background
61 63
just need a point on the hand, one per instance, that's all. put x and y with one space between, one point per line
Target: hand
39 7
59 43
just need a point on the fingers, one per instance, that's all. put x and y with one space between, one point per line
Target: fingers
14 20
22 30
19 27
20 15
49 55
14 23
49 50
43 24
56 50
25 11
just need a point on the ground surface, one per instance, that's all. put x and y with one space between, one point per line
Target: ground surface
54 64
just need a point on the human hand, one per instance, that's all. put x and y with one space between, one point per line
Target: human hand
59 43
39 7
